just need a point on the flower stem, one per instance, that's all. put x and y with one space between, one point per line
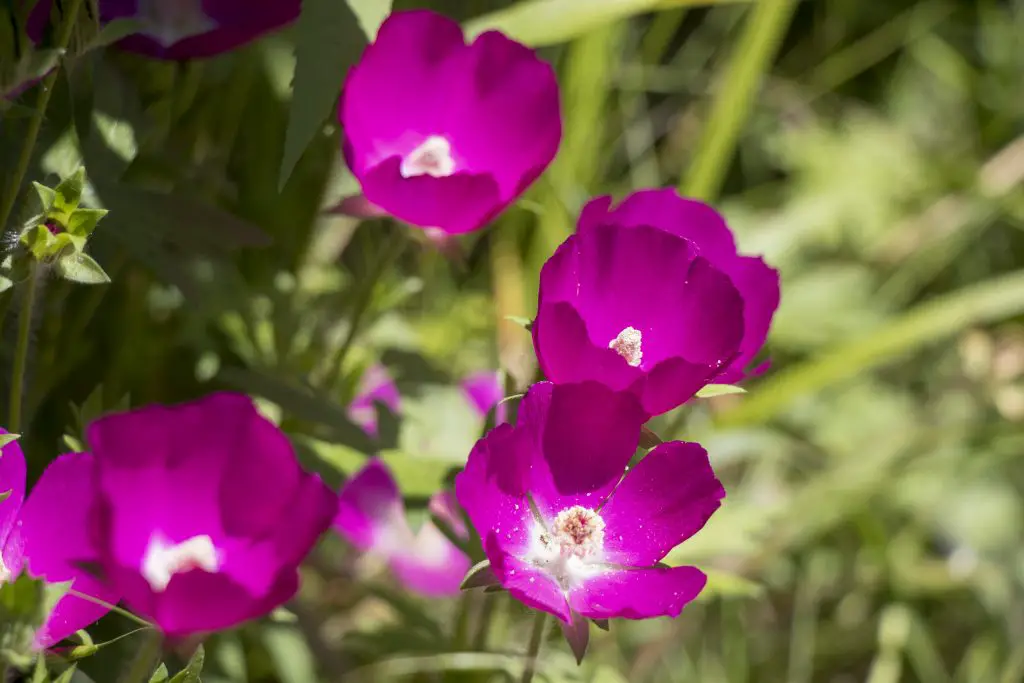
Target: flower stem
67 25
483 628
540 621
17 397
141 667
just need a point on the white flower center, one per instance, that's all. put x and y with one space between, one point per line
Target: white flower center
165 559
629 345
433 157
169 21
572 550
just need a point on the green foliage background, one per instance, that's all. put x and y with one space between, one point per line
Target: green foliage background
872 151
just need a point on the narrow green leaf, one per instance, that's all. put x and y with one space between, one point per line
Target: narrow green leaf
115 30
8 438
67 675
46 196
479 575
81 268
4 495
525 323
648 439
31 68
161 674
720 390
40 674
549 22
941 317
320 68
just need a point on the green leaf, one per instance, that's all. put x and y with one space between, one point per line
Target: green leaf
320 68
68 194
40 674
525 323
24 607
83 221
40 241
67 676
549 22
726 585
32 67
941 317
8 438
190 674
161 674
46 196
81 268
720 390
5 283
4 495
115 30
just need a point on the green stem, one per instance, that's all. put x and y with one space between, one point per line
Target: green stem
536 638
21 349
67 25
754 54
147 658
483 627
387 255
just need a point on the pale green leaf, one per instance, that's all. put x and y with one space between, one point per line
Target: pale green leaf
371 14
8 438
81 268
190 674
720 390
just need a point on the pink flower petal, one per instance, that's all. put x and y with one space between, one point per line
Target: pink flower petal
638 593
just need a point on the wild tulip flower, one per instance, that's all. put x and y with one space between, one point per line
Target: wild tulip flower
47 534
444 134
637 308
756 281
203 512
376 386
563 530
371 516
186 29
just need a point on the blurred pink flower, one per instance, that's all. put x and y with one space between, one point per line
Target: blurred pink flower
376 385
371 516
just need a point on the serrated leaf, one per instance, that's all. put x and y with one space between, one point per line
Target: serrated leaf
720 390
68 194
320 69
83 221
8 438
190 674
81 268
479 575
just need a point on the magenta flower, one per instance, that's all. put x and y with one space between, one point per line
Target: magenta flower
203 512
47 533
756 281
637 308
186 29
484 391
376 385
371 516
591 547
442 134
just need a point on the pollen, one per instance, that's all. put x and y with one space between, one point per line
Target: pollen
433 157
578 531
629 345
164 560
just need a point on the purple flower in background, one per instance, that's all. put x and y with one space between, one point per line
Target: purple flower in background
638 309
591 547
371 516
484 391
186 29
203 512
47 532
757 282
376 385
442 134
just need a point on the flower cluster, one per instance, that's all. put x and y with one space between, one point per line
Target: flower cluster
198 515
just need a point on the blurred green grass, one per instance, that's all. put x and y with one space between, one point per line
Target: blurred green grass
872 151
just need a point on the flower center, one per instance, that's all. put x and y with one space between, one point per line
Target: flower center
164 559
572 549
629 345
433 157
169 21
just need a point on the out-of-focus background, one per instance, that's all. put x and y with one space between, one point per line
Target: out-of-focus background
872 151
